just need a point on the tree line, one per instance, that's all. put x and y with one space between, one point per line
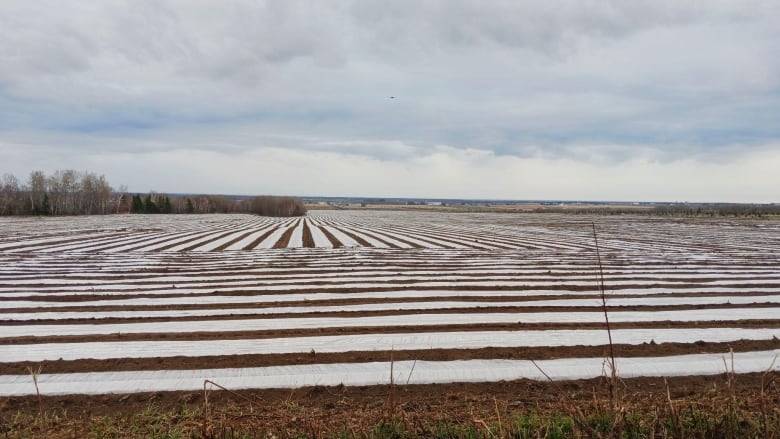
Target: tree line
718 210
262 205
70 192
679 210
65 192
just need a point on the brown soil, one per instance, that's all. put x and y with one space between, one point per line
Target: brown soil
440 238
144 243
285 238
213 238
333 240
448 236
233 241
356 238
62 242
190 237
308 239
260 239
335 409
399 239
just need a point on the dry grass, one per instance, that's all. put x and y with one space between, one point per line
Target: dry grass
723 408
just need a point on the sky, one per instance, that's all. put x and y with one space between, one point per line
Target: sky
566 100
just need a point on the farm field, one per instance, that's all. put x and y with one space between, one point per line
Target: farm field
127 316
136 303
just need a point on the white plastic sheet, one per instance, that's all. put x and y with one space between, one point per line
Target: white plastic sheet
97 314
358 374
728 314
373 342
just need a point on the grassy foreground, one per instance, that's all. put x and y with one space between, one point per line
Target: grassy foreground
726 406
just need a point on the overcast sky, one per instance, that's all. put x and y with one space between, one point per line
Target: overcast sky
597 100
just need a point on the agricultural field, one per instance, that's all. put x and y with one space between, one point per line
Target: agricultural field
135 303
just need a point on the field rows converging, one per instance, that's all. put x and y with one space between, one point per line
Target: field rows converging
130 303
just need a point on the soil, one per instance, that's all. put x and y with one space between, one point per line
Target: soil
354 237
308 239
234 240
260 239
457 402
333 240
285 238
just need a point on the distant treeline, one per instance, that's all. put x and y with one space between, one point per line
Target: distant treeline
65 192
679 210
69 192
713 210
263 205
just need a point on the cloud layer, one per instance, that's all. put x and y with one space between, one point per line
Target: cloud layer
596 100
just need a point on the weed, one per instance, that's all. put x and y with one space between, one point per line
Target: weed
34 373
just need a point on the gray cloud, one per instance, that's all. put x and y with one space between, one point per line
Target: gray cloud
595 82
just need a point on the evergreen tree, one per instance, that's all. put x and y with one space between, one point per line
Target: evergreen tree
190 207
149 205
137 205
44 208
166 205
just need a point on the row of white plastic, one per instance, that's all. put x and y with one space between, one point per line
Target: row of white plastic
374 342
414 319
390 229
363 307
360 374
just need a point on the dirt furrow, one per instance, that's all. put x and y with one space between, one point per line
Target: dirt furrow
232 241
308 239
285 238
333 240
354 237
260 239
212 239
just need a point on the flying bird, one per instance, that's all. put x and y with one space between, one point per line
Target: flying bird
392 97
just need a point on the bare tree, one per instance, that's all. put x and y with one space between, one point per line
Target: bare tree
37 190
9 193
70 192
121 196
102 194
87 196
